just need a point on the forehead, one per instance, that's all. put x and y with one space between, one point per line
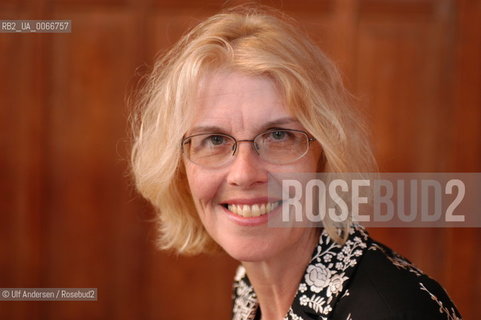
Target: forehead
237 101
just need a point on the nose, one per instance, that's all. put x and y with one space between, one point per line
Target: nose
247 169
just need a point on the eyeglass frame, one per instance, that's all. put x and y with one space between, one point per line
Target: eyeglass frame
236 143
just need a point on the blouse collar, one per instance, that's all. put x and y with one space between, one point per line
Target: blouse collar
325 280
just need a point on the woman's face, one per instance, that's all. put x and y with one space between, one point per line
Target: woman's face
243 107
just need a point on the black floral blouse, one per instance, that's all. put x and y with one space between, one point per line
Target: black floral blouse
361 280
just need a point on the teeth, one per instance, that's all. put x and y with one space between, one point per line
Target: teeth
263 209
247 211
255 210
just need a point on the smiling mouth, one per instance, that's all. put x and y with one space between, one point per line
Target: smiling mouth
255 210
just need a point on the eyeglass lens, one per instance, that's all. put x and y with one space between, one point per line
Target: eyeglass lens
274 146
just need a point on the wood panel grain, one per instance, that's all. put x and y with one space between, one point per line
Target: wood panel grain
401 78
22 110
93 237
464 151
405 76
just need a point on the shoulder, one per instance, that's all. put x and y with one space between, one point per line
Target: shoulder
387 286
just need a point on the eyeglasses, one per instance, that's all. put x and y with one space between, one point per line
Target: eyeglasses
277 146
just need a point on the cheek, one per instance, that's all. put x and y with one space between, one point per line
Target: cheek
203 186
310 163
316 160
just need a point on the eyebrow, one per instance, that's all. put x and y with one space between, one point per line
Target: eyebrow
279 122
266 126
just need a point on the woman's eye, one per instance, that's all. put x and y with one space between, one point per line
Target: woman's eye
216 140
278 135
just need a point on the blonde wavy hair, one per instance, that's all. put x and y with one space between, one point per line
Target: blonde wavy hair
254 41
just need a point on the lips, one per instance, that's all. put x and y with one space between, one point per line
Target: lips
252 210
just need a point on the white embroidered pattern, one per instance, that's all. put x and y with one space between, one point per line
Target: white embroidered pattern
451 314
292 315
397 260
245 303
326 275
402 263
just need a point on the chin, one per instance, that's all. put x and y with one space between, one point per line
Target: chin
248 250
247 256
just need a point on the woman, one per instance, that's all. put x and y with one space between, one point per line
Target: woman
244 95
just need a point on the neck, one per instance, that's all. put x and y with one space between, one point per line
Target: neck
276 280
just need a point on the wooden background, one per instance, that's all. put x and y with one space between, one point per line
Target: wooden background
68 214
